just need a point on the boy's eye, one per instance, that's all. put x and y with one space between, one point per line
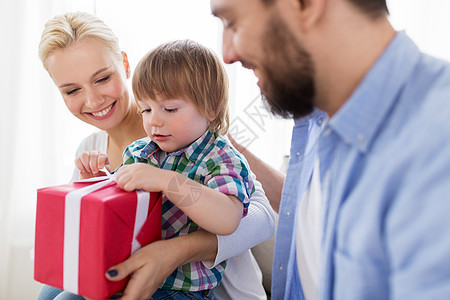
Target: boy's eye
70 92
147 110
171 109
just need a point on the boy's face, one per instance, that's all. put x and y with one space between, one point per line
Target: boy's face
172 124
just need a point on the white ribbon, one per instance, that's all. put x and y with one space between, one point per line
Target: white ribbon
72 226
143 202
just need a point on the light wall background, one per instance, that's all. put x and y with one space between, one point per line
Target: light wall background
38 136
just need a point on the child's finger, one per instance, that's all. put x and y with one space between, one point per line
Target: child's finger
122 171
124 180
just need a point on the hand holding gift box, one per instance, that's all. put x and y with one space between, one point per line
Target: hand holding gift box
84 228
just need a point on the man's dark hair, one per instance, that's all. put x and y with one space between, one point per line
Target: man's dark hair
373 8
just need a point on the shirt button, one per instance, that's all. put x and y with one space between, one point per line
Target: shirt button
298 153
362 140
288 213
327 132
281 268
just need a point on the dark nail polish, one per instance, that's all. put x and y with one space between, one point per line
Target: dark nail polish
112 273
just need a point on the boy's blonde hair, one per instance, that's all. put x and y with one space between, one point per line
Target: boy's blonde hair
65 30
187 70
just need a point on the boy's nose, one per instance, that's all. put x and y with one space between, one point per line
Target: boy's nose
156 120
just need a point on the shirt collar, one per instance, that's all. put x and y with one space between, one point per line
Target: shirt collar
360 118
143 148
316 115
191 152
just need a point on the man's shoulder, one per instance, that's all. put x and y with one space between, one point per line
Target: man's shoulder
423 108
415 138
427 111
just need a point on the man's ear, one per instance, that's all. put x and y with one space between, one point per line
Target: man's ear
126 64
308 12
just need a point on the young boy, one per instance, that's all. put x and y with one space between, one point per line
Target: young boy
181 88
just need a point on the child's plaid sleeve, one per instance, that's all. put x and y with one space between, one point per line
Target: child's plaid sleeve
230 174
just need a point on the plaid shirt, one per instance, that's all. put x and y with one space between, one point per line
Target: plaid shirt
211 161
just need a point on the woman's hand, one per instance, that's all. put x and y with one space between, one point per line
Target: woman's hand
152 264
271 179
91 162
236 145
148 267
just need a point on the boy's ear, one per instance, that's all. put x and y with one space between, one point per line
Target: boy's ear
126 64
213 115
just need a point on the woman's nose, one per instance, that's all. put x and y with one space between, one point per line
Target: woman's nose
93 100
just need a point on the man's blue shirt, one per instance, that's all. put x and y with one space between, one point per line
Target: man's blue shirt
385 178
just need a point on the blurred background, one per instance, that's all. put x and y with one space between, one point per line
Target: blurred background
39 136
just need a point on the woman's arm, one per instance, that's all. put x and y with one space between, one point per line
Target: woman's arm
152 264
257 227
271 179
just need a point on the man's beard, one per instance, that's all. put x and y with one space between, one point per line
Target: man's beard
288 72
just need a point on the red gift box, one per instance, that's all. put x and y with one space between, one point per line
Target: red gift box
82 229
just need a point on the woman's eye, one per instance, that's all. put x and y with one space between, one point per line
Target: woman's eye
146 111
70 92
171 109
103 79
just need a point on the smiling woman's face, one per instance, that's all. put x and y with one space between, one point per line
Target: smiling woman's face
92 81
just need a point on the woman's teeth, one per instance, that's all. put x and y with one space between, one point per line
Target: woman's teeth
103 112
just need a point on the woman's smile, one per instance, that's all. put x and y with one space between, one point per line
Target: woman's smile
104 113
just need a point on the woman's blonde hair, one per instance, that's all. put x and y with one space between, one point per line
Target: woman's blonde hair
65 30
188 70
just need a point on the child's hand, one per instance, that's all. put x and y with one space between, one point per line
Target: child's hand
90 162
141 176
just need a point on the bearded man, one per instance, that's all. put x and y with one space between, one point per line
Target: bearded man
365 203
